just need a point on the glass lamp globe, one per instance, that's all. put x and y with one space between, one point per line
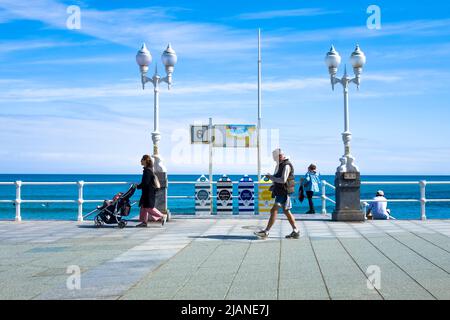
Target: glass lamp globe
333 59
169 57
358 58
143 58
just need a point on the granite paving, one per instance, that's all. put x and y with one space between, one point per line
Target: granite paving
219 258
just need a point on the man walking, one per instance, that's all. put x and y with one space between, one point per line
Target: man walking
283 186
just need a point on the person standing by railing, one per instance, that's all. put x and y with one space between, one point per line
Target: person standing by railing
282 188
149 185
311 184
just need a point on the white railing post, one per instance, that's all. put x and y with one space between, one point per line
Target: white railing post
324 197
365 205
80 200
18 200
423 199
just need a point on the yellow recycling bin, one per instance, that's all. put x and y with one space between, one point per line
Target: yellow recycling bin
265 200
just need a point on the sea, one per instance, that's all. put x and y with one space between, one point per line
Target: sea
69 211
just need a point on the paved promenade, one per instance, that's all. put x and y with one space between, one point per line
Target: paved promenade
221 259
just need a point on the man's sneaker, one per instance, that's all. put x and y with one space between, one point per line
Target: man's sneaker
163 219
310 212
293 235
262 234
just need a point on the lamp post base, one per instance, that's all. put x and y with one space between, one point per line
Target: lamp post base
161 194
348 189
348 215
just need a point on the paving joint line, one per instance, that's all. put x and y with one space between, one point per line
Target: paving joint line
204 260
279 268
353 259
431 242
317 261
237 271
426 227
378 249
419 254
154 271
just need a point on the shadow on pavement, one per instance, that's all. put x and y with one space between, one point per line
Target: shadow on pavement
225 237
114 226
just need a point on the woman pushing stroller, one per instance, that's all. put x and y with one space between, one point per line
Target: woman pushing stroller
149 185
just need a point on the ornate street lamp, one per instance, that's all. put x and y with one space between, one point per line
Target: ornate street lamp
144 59
169 59
347 176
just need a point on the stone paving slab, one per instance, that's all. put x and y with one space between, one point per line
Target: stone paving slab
219 258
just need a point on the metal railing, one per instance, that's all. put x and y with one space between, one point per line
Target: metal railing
324 198
423 199
81 201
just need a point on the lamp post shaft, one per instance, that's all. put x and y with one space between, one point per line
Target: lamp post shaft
259 107
346 135
346 113
155 133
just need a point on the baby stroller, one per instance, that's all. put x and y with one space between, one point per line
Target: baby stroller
112 211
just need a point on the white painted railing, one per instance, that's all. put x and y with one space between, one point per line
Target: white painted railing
422 185
324 198
365 202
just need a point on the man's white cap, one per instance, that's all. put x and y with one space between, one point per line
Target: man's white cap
380 192
277 152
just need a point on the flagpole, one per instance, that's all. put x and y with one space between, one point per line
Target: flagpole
259 105
210 140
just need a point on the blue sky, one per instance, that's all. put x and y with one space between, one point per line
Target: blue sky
71 100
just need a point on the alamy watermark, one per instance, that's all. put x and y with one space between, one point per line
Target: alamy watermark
184 153
73 22
374 20
73 282
373 273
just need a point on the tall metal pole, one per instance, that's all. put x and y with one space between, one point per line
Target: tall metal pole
346 135
259 106
155 133
210 144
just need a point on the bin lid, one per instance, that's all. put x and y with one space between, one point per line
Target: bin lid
202 179
246 178
265 179
224 178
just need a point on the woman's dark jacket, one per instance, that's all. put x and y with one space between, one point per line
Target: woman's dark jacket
148 189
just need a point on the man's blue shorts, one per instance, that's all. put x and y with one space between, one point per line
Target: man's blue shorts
284 202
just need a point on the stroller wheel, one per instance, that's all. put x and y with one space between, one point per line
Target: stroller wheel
121 224
97 222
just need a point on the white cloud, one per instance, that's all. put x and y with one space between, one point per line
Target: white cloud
415 28
29 92
306 12
131 27
84 60
12 46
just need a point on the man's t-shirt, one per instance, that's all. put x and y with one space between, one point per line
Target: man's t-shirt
379 209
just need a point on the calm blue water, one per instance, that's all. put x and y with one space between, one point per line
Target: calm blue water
69 211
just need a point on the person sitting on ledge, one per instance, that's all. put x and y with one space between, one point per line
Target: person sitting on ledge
377 209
